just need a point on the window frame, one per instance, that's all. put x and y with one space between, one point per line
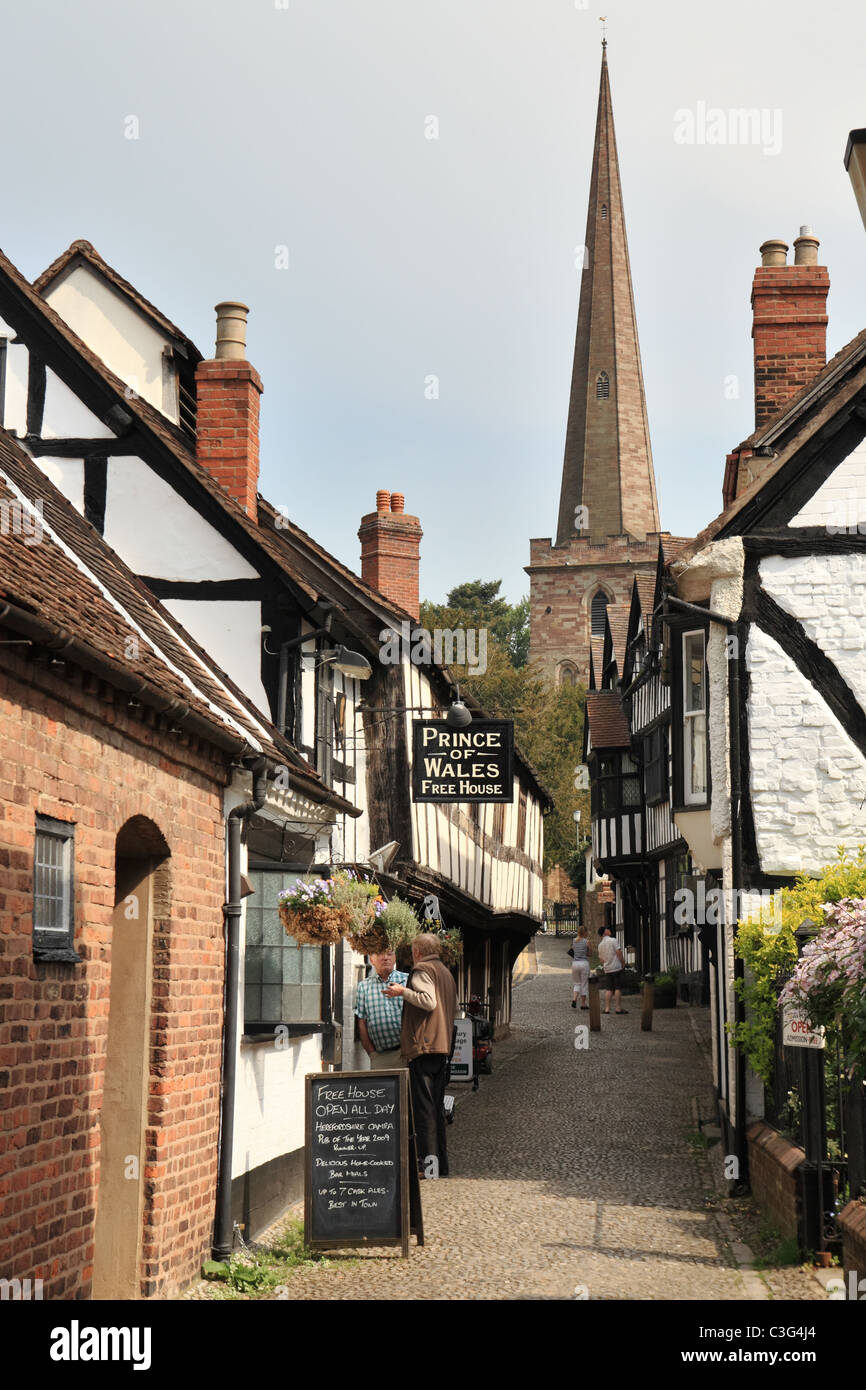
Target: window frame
56 943
256 1029
689 717
656 770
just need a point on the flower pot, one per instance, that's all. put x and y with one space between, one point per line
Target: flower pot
316 925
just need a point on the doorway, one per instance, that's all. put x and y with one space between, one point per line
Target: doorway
139 880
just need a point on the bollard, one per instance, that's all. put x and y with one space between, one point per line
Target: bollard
594 1006
646 1013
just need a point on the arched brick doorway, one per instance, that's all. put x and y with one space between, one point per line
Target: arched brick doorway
141 899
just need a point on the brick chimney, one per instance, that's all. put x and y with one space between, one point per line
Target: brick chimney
789 322
389 550
227 429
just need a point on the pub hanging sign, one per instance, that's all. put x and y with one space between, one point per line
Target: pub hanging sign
471 764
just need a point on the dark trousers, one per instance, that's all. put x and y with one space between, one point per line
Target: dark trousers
427 1079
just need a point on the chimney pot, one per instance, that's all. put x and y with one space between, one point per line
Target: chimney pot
774 252
383 500
806 247
231 330
398 502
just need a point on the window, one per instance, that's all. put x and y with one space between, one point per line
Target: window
656 766
521 819
599 608
618 783
54 889
282 981
694 719
325 721
566 674
602 386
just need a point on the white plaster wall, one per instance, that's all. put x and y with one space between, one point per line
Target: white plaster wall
269 1095
66 417
827 594
230 633
840 502
157 533
68 476
808 780
17 368
119 333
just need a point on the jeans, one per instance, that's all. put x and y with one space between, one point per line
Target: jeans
427 1079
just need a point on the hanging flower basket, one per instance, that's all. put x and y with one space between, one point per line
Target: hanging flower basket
450 948
310 915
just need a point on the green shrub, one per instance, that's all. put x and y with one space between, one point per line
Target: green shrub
769 951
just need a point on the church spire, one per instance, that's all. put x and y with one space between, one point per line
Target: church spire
608 466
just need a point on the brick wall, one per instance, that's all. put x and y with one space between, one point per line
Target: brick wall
563 581
227 427
72 750
852 1223
789 329
390 543
773 1165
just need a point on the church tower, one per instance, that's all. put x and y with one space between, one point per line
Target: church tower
608 527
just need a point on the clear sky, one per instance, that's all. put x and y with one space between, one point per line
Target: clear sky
303 125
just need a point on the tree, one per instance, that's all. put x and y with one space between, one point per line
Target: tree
548 719
478 604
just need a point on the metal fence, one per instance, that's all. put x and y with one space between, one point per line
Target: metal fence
816 1103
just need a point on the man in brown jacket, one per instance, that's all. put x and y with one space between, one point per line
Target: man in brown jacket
429 1007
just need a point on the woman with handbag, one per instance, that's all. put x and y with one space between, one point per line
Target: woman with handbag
579 952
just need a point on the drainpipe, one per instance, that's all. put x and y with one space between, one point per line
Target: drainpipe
237 818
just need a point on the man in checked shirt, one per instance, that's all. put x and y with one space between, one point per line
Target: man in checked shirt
380 1018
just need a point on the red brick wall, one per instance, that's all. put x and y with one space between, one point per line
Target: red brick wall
789 329
67 752
227 427
852 1223
773 1164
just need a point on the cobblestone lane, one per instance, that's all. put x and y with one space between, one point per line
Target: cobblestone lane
571 1170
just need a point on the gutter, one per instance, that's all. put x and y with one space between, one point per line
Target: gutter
59 639
238 817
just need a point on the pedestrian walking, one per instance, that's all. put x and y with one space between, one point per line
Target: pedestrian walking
611 958
429 1009
579 953
380 1016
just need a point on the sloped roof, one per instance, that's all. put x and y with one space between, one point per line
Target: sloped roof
59 571
646 592
84 253
294 552
608 725
617 618
596 657
790 428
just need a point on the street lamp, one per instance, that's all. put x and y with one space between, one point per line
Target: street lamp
855 163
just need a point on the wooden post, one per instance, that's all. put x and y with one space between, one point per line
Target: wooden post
594 1006
646 1015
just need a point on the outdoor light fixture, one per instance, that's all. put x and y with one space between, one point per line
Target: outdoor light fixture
855 163
348 663
458 715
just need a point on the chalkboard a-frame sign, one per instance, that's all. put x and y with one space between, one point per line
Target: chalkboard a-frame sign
361 1174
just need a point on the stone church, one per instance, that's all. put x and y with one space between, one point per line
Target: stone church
608 527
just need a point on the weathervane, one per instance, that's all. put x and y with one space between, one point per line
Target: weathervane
602 19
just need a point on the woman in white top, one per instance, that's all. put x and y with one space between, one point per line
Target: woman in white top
580 969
